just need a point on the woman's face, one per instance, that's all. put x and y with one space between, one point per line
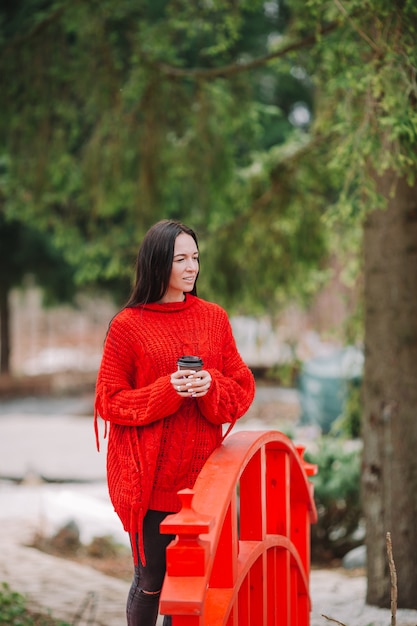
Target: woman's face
184 269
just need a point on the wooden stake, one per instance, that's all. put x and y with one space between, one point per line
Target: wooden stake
394 588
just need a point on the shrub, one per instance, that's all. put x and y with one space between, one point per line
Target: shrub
349 423
14 612
337 498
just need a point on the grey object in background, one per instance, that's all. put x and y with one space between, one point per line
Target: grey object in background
324 384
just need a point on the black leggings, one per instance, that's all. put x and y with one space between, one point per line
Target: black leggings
143 599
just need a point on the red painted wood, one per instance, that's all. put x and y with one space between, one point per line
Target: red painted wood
243 561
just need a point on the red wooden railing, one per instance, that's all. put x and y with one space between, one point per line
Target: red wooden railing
242 552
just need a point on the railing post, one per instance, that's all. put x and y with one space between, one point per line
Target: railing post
278 492
252 499
187 557
282 581
223 574
300 516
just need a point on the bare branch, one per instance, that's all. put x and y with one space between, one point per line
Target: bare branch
333 620
236 68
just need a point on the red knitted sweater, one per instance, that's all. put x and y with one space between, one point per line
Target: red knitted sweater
158 441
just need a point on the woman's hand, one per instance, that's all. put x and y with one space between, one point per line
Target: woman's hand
191 384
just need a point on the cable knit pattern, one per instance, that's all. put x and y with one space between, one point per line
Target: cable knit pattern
158 441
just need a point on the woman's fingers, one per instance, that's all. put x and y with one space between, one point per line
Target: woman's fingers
191 383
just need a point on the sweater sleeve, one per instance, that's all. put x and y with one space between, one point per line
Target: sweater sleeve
232 389
117 399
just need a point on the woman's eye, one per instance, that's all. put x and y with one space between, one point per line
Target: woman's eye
182 259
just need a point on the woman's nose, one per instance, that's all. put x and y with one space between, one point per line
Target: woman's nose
192 265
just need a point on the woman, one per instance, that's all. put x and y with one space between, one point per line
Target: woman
164 423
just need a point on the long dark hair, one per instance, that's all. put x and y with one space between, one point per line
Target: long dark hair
154 262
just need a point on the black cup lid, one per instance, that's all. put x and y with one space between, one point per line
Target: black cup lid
190 361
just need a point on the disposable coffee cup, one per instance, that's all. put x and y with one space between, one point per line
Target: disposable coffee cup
190 363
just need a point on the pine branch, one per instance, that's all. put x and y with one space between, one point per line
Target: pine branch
36 30
355 27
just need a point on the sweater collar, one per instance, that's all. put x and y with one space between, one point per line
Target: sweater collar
170 307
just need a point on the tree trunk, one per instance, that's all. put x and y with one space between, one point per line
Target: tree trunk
4 332
389 477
